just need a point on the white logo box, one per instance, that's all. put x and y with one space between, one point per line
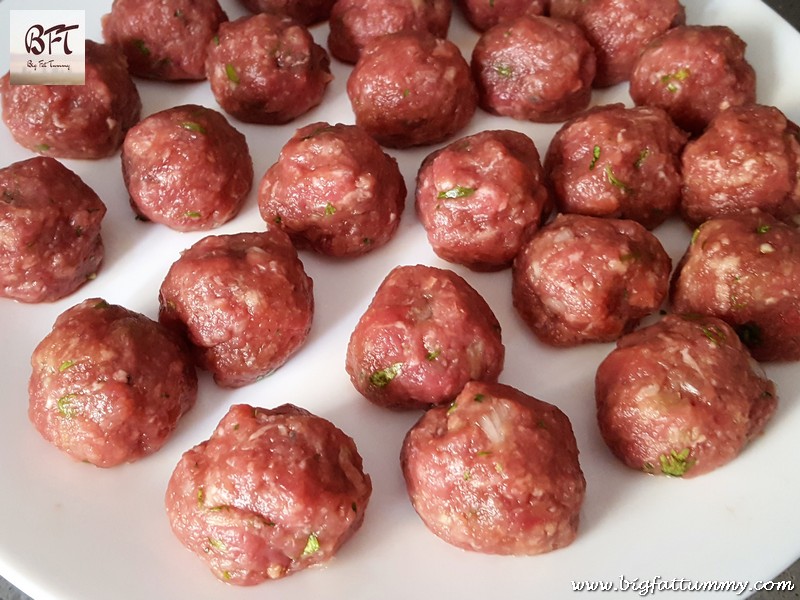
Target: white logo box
47 47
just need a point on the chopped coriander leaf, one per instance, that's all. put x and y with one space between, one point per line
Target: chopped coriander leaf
452 408
406 93
201 496
330 209
312 545
65 405
631 256
761 229
215 39
142 47
714 334
230 71
484 453
65 365
434 355
193 126
192 214
217 544
456 192
467 475
675 464
101 304
612 179
41 147
503 70
642 156
670 79
695 235
226 575
479 398
277 220
595 157
383 377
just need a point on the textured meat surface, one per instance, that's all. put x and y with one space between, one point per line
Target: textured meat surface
307 12
75 121
748 158
108 385
745 269
497 472
411 89
425 334
353 23
243 301
50 242
619 30
694 72
267 69
482 14
164 39
681 397
187 168
335 190
478 196
534 68
586 279
270 493
613 161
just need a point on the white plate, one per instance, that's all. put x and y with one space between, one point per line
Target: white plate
72 531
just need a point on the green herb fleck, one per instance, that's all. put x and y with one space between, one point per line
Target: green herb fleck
65 365
642 156
695 235
612 179
142 47
484 453
595 157
41 147
629 257
201 496
193 126
217 544
456 192
434 355
675 464
670 79
330 209
101 304
762 229
230 71
65 405
467 475
192 214
406 93
714 334
215 39
226 575
312 545
479 398
452 408
383 377
277 220
503 70
367 241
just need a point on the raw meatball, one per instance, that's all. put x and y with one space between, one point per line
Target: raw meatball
75 121
694 72
267 69
745 269
534 68
187 168
164 39
478 196
586 279
50 242
425 334
681 397
619 30
483 14
334 189
496 472
243 301
748 158
411 89
306 12
270 493
613 161
356 22
108 384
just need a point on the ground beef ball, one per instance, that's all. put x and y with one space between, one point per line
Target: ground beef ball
108 384
534 68
333 189
681 397
748 158
411 89
186 168
613 161
694 72
75 121
356 22
496 472
243 301
586 279
307 12
50 242
478 196
483 14
425 334
619 30
270 493
745 269
267 69
164 39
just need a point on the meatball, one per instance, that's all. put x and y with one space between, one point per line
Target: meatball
75 121
745 269
479 195
267 69
483 15
108 385
619 30
613 161
306 12
694 72
425 334
496 472
411 89
186 168
243 301
164 39
356 22
50 241
586 279
748 158
534 68
271 492
681 397
334 190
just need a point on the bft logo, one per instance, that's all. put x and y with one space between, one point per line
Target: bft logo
47 47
